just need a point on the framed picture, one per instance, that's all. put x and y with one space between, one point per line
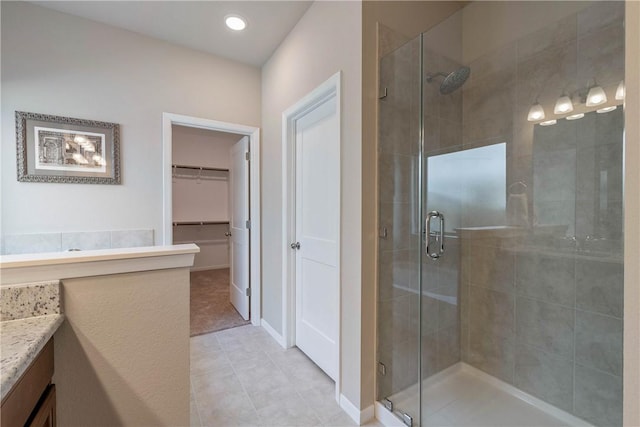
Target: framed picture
68 150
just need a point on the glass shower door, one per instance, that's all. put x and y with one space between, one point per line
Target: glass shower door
501 234
400 232
448 169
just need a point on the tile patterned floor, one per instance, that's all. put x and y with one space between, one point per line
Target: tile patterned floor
242 377
210 307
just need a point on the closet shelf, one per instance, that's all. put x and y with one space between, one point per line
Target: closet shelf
203 241
176 223
200 168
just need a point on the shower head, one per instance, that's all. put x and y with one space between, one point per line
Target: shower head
452 81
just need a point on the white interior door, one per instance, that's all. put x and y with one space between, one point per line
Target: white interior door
238 226
317 216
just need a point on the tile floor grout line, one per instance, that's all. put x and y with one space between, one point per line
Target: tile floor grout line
195 402
292 384
309 409
235 374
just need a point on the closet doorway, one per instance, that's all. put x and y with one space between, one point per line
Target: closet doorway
210 168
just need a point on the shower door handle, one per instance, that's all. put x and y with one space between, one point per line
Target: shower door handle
439 238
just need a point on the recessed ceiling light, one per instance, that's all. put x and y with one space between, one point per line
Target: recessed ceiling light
235 22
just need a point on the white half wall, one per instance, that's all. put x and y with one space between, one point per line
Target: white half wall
327 39
59 64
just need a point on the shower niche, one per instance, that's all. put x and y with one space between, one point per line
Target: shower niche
500 257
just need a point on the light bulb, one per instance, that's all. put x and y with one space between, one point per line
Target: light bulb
606 109
549 123
575 116
536 112
235 22
620 91
596 96
79 139
563 105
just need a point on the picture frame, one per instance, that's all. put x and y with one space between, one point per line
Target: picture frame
55 149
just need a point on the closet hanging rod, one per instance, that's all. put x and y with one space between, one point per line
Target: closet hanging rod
201 168
199 222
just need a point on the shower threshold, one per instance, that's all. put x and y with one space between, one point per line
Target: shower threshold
465 396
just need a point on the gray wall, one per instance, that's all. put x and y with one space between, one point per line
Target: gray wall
58 64
326 40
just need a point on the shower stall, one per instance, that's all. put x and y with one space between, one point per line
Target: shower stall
500 197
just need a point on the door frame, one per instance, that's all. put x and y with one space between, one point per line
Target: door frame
169 119
329 91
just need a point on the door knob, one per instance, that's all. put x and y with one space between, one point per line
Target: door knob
295 245
228 233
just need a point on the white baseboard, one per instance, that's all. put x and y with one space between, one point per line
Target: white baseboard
386 418
558 413
360 417
275 335
210 267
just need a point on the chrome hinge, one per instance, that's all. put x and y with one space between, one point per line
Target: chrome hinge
382 232
382 370
248 224
388 404
247 155
407 419
248 292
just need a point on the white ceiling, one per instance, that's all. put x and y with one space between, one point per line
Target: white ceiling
198 24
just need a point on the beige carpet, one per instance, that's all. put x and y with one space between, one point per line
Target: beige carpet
210 307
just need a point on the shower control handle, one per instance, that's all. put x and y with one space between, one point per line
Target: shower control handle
439 238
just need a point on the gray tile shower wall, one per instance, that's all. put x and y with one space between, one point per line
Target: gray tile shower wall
543 310
555 330
83 240
540 306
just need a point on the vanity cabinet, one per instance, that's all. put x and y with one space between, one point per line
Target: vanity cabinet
32 401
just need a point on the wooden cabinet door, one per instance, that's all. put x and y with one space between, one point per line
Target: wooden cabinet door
45 413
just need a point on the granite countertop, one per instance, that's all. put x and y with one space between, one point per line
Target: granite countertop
29 316
20 342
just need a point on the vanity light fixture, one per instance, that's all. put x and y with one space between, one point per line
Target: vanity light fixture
575 116
596 96
235 22
606 109
536 112
563 105
549 123
620 91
